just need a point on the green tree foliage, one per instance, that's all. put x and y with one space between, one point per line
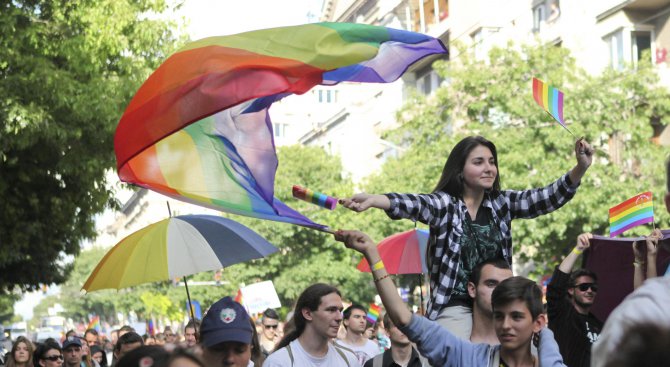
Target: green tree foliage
68 69
615 111
306 256
7 307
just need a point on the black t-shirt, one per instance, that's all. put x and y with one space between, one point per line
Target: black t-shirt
481 241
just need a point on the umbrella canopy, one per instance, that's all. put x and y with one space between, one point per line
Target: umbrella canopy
402 253
176 247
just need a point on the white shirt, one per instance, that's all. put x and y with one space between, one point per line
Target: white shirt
363 352
301 358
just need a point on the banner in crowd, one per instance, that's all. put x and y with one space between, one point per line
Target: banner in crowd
258 297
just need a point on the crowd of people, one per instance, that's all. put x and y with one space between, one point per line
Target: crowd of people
478 314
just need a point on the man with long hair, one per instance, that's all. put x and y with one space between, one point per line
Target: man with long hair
317 318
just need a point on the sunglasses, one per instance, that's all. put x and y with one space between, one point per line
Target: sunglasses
54 358
585 286
270 326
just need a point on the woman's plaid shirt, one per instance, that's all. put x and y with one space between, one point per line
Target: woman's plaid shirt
446 214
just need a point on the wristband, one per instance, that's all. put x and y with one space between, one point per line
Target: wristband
577 251
378 265
638 262
382 277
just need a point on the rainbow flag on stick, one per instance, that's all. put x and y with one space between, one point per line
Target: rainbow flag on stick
373 313
550 99
94 324
631 213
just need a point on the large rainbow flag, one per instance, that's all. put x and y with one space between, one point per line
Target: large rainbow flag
198 129
550 99
631 213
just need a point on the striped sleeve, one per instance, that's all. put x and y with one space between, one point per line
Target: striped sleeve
430 209
535 202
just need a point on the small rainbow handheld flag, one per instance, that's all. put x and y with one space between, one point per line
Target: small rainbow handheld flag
373 313
550 99
631 213
94 324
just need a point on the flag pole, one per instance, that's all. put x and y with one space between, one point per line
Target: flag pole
188 294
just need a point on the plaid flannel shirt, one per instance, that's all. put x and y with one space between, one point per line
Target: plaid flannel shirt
446 214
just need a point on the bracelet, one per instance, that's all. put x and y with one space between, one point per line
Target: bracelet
378 265
577 251
638 262
382 277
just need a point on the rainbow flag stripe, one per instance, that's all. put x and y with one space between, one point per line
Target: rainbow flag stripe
550 99
316 198
94 323
631 213
199 130
373 313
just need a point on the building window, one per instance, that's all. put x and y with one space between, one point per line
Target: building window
545 11
640 43
426 13
629 46
326 95
279 130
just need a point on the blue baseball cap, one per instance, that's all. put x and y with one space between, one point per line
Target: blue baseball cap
226 321
70 341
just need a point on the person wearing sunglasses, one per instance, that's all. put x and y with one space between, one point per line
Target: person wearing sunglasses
268 337
48 354
570 295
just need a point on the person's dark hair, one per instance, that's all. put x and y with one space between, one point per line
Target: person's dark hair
346 314
98 349
270 313
11 362
126 328
310 298
476 273
128 338
91 331
159 357
451 180
581 273
42 349
195 324
183 353
645 345
70 333
256 352
518 289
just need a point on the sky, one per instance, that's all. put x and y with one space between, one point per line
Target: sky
222 17
207 18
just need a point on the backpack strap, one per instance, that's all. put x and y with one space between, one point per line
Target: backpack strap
340 350
290 353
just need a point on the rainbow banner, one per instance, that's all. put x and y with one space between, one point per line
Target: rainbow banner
199 130
373 313
550 99
631 213
94 323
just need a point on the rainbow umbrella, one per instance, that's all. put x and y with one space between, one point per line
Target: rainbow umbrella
199 128
177 247
403 253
